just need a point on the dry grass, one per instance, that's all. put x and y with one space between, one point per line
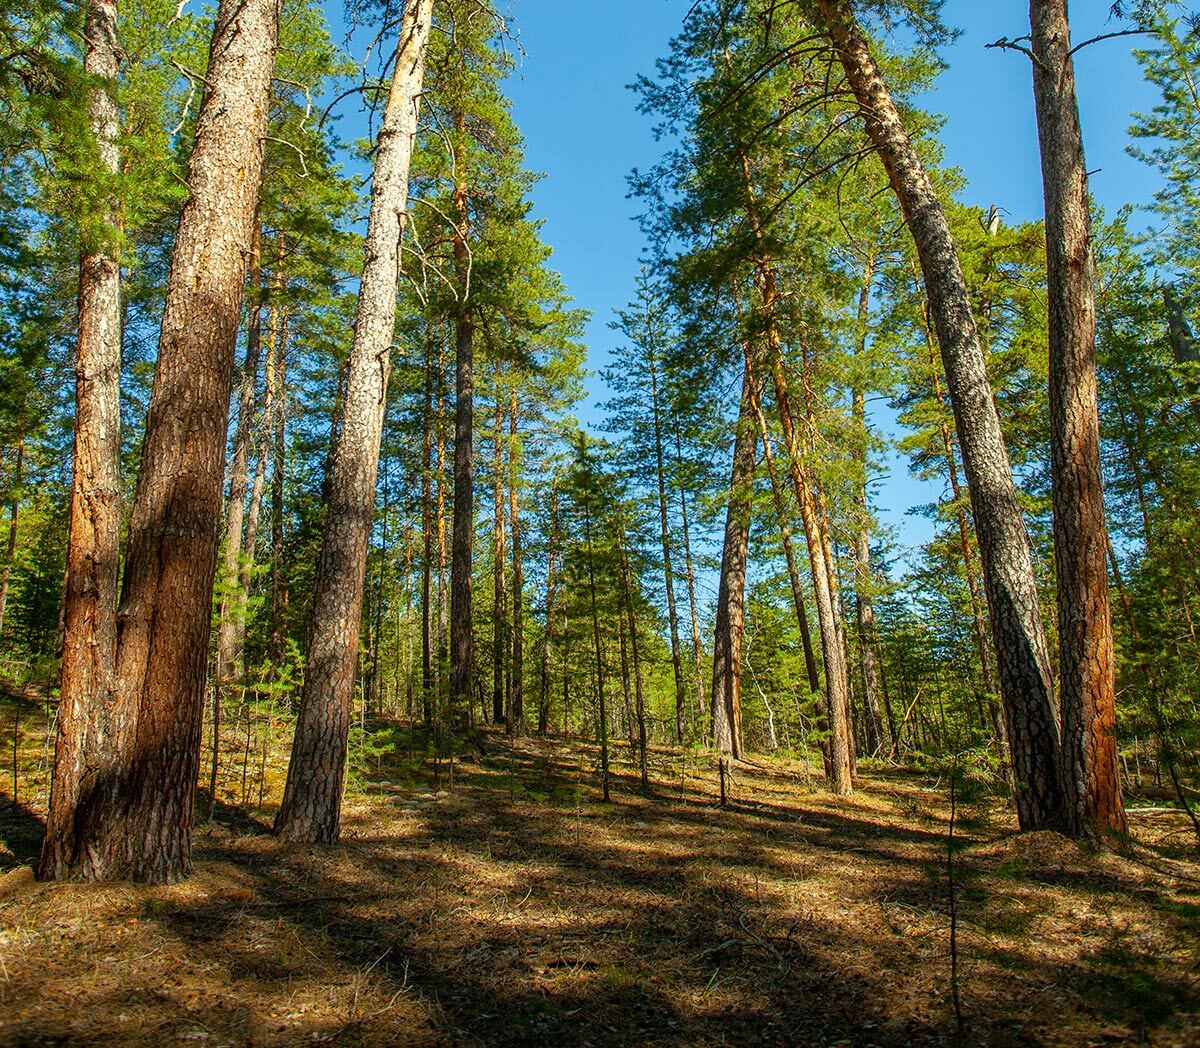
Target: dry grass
517 909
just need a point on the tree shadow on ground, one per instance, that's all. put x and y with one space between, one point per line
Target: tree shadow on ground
517 910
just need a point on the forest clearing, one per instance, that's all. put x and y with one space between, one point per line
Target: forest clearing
738 585
511 907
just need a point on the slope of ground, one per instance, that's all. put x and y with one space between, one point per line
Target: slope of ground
510 907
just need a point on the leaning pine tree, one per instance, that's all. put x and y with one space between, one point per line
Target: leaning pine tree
1022 656
311 807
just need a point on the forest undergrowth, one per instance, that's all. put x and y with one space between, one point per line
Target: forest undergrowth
504 904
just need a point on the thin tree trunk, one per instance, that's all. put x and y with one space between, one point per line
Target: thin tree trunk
548 639
10 543
864 607
603 713
697 646
665 537
499 557
235 512
635 651
810 660
278 433
427 543
462 654
92 733
727 641
1091 772
1021 651
517 698
311 808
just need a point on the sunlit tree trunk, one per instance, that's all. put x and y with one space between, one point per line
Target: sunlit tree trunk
1091 773
93 731
166 604
727 640
311 808
427 541
1021 652
600 698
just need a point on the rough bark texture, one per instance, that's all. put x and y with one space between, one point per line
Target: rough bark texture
311 806
165 613
1091 775
1021 654
92 729
727 640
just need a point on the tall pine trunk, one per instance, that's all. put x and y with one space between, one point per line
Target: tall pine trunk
516 712
462 541
689 566
1091 774
499 557
731 590
1021 653
311 807
548 638
92 729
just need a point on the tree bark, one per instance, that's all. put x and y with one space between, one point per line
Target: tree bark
697 645
548 638
727 640
1021 653
516 712
311 808
499 558
600 701
166 606
235 506
427 542
462 653
864 607
93 731
10 544
636 652
665 538
1091 773
278 436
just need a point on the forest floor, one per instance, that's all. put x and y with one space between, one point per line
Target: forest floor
512 907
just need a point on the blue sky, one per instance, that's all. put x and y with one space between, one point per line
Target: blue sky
583 132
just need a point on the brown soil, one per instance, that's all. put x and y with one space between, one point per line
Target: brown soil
515 909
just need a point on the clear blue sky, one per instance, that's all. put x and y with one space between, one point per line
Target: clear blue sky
583 132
